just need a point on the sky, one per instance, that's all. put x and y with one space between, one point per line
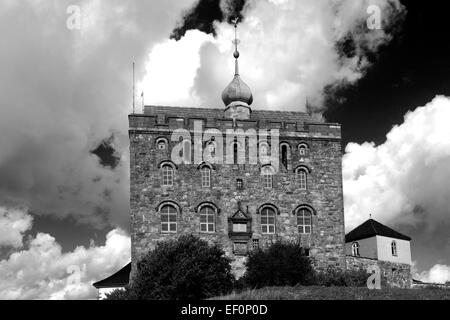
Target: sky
66 91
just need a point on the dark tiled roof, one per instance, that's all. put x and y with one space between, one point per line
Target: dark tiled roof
372 228
118 279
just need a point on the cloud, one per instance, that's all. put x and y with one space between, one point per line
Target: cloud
62 92
171 70
439 273
41 270
405 180
290 52
13 224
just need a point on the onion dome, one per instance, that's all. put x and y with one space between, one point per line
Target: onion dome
237 92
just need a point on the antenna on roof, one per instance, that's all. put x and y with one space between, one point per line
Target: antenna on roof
133 87
309 109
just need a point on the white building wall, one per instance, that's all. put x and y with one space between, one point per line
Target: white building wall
385 253
367 248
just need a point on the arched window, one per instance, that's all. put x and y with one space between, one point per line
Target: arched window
267 175
207 218
206 176
211 145
304 220
355 249
168 218
187 151
394 248
263 148
284 154
302 149
167 175
301 175
264 152
161 143
235 153
268 220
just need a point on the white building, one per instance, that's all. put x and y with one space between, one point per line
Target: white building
374 240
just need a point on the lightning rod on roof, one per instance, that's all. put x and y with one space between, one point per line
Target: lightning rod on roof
133 87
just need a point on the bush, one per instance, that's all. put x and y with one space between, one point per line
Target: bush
187 268
281 264
338 278
120 294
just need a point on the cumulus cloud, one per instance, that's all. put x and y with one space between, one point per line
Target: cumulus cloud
439 273
171 70
13 224
405 180
290 52
41 270
63 91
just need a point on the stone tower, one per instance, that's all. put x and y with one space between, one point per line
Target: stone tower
206 172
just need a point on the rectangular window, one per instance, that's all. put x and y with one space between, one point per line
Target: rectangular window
394 248
206 177
255 243
302 179
304 221
268 180
304 229
267 221
169 222
239 227
167 172
207 219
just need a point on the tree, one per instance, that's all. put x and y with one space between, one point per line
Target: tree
186 268
281 264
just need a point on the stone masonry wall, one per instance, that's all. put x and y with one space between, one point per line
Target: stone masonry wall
323 195
392 274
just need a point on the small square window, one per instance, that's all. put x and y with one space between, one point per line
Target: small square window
255 243
239 184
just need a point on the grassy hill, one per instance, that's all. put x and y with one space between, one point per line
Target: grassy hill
333 293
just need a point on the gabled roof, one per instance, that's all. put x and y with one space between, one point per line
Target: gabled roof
372 228
239 215
118 279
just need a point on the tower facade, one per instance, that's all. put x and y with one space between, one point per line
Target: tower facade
238 177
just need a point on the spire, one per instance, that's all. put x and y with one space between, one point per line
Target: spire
237 93
236 52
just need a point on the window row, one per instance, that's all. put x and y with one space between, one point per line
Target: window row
267 173
264 147
208 213
168 174
356 253
238 154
